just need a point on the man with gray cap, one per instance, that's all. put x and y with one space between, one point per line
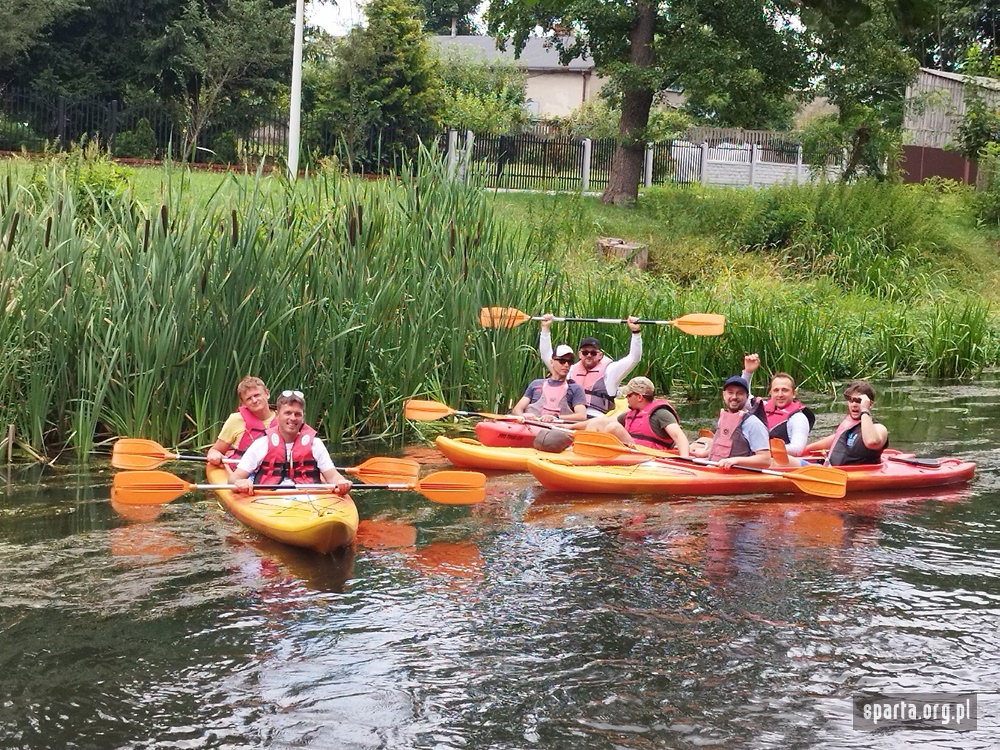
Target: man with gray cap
649 421
740 437
595 371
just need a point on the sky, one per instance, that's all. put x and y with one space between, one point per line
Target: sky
336 18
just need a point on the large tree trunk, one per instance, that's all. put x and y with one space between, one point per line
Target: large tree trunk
626 168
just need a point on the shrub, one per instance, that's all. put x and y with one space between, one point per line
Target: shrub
224 146
137 144
15 136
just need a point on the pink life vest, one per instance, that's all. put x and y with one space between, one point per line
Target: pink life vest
729 440
275 467
776 416
637 424
592 382
254 429
554 399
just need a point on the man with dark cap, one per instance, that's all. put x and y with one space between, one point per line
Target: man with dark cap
596 372
740 437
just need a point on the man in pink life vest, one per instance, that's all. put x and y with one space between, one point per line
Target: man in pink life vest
289 453
555 397
649 421
859 439
246 424
740 437
595 371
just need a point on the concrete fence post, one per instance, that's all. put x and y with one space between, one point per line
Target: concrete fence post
753 163
798 165
647 170
704 163
585 166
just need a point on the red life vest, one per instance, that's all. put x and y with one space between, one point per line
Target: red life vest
554 399
592 382
254 428
777 419
276 467
729 440
637 424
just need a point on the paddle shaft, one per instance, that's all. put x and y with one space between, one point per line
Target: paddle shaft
607 320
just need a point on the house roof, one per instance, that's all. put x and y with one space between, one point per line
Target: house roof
984 81
535 56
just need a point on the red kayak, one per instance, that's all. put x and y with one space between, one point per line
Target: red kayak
498 433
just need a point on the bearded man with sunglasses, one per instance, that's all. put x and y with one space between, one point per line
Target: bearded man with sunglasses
289 453
859 439
596 372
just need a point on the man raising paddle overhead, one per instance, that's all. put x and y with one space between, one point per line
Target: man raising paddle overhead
595 371
289 453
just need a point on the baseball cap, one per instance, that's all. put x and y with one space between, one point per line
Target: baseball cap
737 380
564 350
590 341
642 386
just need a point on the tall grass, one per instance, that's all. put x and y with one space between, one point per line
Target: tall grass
123 318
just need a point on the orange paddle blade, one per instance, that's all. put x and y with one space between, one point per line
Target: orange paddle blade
139 453
824 481
148 487
701 324
706 433
779 451
426 411
453 487
384 470
502 317
605 445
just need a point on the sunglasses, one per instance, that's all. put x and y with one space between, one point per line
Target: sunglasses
564 360
290 394
590 352
853 399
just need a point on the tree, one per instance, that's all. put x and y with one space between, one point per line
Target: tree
449 16
212 51
864 70
382 92
952 27
645 46
24 21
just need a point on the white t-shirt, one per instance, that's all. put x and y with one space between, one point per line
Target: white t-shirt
258 449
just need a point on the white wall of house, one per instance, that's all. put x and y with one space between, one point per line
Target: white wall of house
558 94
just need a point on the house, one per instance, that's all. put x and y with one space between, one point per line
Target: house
553 89
935 107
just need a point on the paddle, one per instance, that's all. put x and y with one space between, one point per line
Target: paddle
929 463
139 453
696 324
823 481
155 487
428 411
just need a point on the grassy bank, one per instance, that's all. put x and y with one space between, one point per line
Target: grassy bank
136 301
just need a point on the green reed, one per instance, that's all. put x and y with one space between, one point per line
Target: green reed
134 319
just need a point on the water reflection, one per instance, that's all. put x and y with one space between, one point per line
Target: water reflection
534 620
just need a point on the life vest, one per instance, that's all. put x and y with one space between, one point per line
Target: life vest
592 382
849 448
777 419
729 440
554 399
253 429
275 467
637 424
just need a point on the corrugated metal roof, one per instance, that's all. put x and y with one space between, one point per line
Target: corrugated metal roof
984 81
535 56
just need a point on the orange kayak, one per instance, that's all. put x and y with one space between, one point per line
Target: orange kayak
471 454
666 478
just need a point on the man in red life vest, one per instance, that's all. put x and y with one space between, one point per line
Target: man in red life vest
859 439
740 437
289 453
595 371
555 397
783 414
245 425
649 421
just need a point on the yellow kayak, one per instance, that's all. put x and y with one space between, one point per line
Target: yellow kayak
318 521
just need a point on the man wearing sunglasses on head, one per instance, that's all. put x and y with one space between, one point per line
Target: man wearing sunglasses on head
289 453
596 372
859 439
555 397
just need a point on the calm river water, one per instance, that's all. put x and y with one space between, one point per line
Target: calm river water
531 621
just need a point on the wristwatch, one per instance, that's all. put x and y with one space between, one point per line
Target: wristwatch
865 411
